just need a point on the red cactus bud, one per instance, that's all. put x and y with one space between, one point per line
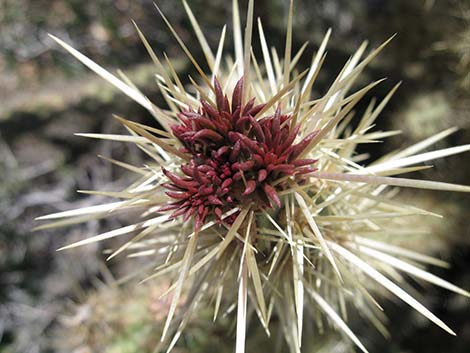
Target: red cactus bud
230 148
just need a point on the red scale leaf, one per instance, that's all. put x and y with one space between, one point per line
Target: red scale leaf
237 95
272 194
262 174
250 187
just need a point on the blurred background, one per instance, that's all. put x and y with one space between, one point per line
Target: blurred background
70 301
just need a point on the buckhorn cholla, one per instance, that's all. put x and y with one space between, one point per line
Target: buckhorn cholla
255 183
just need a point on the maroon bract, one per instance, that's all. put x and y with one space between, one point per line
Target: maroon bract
236 158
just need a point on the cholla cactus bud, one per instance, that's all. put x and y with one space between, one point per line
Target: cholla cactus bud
254 190
235 158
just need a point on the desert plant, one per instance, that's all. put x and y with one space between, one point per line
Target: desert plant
254 194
